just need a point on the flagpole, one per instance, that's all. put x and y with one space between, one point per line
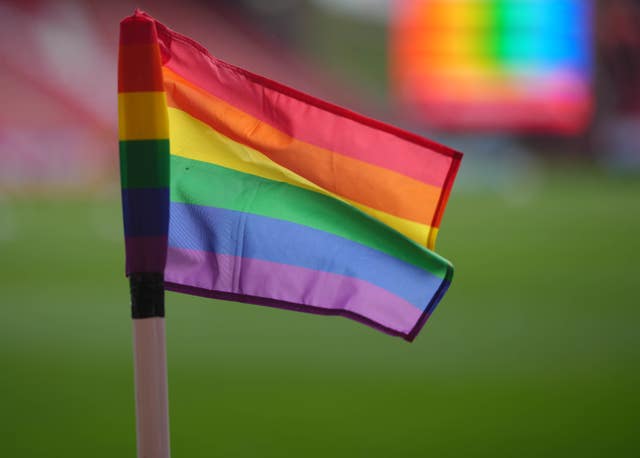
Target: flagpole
150 365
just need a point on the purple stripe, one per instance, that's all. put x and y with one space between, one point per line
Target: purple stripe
298 287
145 254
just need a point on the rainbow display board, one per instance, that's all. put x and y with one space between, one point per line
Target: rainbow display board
517 65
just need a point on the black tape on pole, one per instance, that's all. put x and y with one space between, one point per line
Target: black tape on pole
147 295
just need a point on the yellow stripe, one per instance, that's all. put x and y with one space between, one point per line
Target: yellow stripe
142 116
193 139
431 238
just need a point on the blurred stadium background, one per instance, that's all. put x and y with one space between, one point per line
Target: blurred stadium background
534 351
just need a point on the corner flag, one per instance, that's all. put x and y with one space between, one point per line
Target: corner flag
239 188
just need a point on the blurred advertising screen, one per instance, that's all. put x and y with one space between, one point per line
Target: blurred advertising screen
498 65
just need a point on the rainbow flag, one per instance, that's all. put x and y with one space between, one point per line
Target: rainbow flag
239 188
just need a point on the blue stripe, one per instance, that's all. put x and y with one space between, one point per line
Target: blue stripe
145 211
247 235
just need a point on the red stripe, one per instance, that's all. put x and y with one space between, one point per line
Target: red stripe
307 118
138 29
446 190
139 68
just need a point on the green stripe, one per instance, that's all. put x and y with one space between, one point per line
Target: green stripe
144 163
202 183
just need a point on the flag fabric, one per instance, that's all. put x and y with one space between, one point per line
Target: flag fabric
239 188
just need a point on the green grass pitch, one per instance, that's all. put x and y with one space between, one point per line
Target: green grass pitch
535 350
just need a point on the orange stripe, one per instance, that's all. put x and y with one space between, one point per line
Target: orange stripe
350 178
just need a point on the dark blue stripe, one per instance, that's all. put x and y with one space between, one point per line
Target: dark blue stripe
145 211
252 236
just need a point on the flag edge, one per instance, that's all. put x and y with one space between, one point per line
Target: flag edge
315 310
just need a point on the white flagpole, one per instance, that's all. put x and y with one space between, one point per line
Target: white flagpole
150 366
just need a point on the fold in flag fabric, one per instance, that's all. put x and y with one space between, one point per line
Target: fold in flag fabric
239 188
